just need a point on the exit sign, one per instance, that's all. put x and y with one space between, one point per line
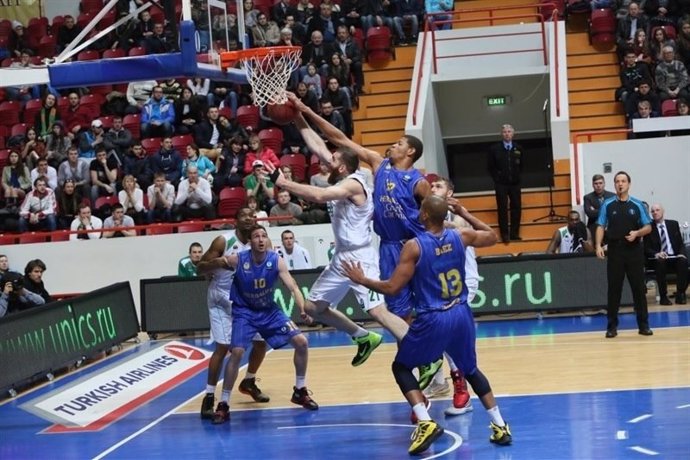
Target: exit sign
496 100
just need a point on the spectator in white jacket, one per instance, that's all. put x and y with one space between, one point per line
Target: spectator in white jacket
38 209
85 221
48 172
194 198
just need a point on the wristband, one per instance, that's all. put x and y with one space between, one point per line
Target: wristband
274 176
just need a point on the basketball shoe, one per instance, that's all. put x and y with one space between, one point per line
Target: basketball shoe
222 413
435 390
365 346
413 416
207 406
302 397
424 435
248 387
461 397
427 372
500 434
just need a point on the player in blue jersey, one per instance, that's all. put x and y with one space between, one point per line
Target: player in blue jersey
254 311
433 264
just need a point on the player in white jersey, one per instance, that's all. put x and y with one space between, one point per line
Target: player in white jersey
352 208
213 264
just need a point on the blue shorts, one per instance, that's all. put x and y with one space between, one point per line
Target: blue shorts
389 257
432 333
273 325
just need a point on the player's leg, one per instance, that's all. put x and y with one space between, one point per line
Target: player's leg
221 332
232 368
300 393
248 385
461 397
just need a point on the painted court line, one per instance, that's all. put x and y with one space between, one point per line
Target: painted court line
643 450
640 418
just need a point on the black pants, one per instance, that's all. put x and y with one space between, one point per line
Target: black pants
661 267
625 259
503 193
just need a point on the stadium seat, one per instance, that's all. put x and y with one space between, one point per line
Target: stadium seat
90 6
31 108
84 19
668 108
133 123
33 237
93 103
231 199
225 111
298 163
61 235
103 90
180 142
602 27
105 200
159 229
137 51
5 27
47 46
248 116
273 139
669 29
89 55
548 7
107 121
20 129
4 155
151 145
56 24
314 165
9 113
114 53
379 44
191 227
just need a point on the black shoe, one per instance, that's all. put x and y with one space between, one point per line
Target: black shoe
611 333
646 331
681 299
248 387
516 238
505 239
301 397
664 300
207 406
222 413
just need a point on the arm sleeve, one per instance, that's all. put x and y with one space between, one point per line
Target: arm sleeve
32 297
602 218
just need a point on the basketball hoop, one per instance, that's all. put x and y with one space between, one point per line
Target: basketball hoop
268 70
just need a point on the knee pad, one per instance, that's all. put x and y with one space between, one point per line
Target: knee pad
404 378
479 383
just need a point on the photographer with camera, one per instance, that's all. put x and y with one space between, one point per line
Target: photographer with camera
572 238
14 296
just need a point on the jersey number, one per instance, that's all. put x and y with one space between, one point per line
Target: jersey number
451 283
259 283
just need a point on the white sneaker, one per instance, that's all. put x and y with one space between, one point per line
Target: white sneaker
436 390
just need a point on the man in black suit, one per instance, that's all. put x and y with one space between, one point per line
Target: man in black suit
594 199
664 249
505 165
627 26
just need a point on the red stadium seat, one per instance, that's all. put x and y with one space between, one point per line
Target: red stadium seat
669 29
230 201
61 235
47 46
137 51
84 19
20 129
314 165
89 55
602 27
379 44
105 200
9 113
159 229
31 108
4 158
90 6
33 237
114 53
151 145
191 227
298 163
248 116
273 139
133 123
5 27
181 142
56 24
668 108
107 121
225 111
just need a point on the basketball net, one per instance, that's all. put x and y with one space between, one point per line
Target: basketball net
269 74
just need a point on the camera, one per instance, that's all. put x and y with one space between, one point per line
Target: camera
16 279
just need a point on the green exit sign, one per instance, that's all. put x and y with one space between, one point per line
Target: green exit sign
496 100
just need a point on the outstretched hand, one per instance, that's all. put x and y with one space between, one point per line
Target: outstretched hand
353 270
297 102
455 207
275 174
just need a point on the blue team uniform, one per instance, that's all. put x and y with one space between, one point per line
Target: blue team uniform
253 307
396 220
444 322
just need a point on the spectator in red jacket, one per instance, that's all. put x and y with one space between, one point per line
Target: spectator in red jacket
258 152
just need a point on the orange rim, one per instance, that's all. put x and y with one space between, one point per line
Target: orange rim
227 57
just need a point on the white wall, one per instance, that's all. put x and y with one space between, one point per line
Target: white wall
52 8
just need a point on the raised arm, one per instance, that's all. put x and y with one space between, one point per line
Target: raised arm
400 278
481 235
314 142
213 257
312 193
292 285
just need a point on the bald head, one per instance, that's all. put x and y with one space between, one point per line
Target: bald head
434 210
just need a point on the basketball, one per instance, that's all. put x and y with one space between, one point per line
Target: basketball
282 114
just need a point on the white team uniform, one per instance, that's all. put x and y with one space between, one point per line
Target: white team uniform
298 260
471 269
218 296
353 242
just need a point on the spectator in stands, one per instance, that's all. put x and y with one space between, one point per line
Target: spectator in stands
127 34
17 40
4 265
46 117
305 11
186 267
222 24
188 112
259 186
505 162
144 29
172 89
407 11
250 14
231 170
117 140
313 80
658 42
137 164
627 28
683 43
200 19
257 151
296 257
341 101
16 182
138 93
631 75
321 178
118 219
194 197
254 206
665 250
285 208
33 279
332 116
209 135
572 238
281 10
683 111
38 209
34 148
205 167
265 32
91 139
76 118
658 13
307 96
644 93
200 88
339 69
42 169
640 47
315 52
439 6
161 196
57 145
68 201
168 161
223 94
131 197
232 128
23 93
350 14
325 22
374 14
67 33
644 111
351 55
103 175
161 41
84 221
14 296
157 115
77 169
671 77
299 32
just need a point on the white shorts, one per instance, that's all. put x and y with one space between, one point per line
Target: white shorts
332 285
220 316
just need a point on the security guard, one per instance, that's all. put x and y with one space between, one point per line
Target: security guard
626 221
